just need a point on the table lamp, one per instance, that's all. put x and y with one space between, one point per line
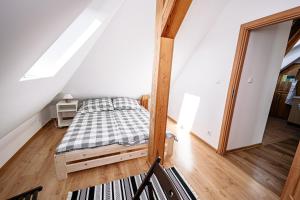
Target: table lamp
68 97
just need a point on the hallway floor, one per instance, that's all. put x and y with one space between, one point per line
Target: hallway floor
270 163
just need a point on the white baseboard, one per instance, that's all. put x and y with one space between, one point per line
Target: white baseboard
14 140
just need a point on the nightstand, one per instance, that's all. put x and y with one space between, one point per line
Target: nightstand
66 112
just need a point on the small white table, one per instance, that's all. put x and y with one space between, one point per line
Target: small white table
66 112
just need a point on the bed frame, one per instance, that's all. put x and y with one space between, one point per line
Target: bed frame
77 160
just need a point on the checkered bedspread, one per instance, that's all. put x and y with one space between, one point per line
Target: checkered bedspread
133 126
90 130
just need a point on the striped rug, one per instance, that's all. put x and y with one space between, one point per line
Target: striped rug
126 188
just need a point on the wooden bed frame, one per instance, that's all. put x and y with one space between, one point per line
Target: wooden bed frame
77 160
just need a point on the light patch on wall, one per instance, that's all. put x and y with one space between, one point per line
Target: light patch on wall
186 119
188 112
63 48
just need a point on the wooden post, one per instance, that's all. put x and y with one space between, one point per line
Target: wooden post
169 16
60 167
159 100
144 101
291 189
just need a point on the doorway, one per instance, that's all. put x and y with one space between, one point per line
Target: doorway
291 187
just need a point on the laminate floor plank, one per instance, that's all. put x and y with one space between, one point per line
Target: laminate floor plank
270 163
212 177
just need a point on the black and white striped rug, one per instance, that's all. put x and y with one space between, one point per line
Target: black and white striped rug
126 188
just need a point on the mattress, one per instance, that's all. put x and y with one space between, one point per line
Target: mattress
96 129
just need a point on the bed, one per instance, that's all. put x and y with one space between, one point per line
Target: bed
105 134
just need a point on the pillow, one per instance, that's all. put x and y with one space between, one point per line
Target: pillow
97 105
125 103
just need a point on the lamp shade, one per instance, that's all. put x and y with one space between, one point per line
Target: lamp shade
68 97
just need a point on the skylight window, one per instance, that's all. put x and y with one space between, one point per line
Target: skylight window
63 49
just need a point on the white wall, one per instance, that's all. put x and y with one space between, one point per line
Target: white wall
15 139
120 64
262 64
207 72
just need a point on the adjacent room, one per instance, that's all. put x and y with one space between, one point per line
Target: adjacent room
150 99
265 129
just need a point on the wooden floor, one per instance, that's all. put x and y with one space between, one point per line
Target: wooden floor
270 163
210 175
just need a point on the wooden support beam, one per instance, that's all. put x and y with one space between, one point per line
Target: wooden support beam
174 12
294 39
160 99
169 16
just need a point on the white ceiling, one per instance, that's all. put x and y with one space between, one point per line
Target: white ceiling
121 53
292 56
120 63
199 20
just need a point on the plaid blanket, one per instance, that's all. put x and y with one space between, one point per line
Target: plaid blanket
90 130
133 126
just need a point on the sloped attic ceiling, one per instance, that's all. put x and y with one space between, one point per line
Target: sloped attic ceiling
291 56
200 18
28 30
121 61
126 45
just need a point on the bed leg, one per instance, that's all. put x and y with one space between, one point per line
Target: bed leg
169 150
60 167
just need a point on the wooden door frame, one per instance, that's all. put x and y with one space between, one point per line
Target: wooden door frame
291 189
294 39
238 63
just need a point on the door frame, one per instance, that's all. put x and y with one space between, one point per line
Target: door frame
238 63
291 188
